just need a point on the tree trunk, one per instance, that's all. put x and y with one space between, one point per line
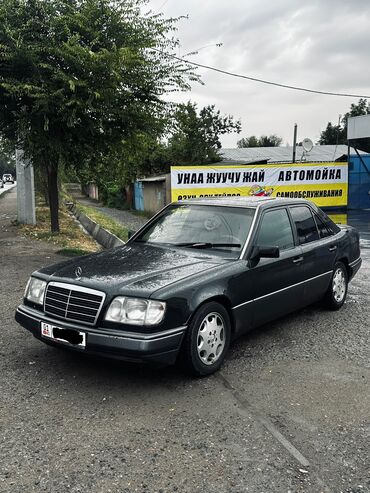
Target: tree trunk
52 175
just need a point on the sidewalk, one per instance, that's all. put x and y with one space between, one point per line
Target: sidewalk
126 218
7 188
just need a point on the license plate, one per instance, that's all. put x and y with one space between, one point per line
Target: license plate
67 336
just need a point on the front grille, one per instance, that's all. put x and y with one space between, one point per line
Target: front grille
71 302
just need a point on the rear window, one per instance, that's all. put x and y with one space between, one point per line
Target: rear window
305 224
330 225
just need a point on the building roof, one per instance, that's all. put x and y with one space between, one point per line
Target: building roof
153 178
319 153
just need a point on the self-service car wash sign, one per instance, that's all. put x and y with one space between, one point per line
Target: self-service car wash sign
325 184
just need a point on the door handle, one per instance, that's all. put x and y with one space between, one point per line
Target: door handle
332 248
297 260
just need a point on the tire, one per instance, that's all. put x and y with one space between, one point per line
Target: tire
337 290
211 320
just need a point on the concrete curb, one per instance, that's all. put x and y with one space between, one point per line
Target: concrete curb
104 237
4 191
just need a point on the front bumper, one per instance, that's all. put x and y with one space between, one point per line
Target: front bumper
160 347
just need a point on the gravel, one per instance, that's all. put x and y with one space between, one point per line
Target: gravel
73 424
126 218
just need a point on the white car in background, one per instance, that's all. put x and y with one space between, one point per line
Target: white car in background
8 178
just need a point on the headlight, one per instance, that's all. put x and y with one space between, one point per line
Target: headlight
135 311
35 290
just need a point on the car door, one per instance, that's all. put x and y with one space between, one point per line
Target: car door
277 282
318 250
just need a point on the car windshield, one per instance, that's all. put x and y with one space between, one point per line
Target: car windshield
216 228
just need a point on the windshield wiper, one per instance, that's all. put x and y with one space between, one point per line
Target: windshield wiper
203 244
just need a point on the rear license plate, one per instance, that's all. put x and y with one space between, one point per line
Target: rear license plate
67 336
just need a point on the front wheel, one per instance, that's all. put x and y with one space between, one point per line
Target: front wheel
207 340
337 291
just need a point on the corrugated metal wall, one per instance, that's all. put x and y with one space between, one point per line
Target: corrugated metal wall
139 196
359 182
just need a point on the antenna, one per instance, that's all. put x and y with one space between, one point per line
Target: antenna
307 144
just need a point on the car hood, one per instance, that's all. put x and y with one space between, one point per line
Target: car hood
134 269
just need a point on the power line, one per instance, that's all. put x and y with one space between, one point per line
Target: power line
162 5
262 81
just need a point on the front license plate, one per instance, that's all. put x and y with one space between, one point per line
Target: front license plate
67 336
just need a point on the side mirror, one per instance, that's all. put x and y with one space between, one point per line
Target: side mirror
130 233
264 252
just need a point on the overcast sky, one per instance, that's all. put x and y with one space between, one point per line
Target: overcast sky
318 44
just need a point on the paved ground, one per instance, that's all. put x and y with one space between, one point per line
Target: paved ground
288 413
6 188
361 221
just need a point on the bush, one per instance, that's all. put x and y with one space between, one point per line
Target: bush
112 195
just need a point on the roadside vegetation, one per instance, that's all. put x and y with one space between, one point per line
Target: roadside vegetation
71 239
105 221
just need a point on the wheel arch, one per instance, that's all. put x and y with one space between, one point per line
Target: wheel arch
222 300
345 262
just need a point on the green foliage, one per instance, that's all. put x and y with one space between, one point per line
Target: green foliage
112 195
270 141
264 141
80 77
333 134
195 136
337 134
188 137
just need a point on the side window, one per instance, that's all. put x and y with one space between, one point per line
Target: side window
275 230
323 230
305 224
330 225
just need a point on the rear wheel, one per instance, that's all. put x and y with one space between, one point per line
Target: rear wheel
207 340
337 291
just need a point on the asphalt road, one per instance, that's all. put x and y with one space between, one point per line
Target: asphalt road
288 413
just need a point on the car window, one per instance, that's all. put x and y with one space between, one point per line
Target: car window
275 230
330 225
305 224
323 230
180 225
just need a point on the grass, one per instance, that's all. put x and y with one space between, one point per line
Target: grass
72 252
105 221
71 239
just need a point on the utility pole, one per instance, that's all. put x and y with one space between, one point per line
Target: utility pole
294 141
25 189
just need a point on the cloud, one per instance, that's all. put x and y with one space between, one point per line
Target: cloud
316 44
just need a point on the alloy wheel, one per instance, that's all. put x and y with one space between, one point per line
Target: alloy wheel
339 285
211 338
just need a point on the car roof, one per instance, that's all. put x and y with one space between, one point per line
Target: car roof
248 202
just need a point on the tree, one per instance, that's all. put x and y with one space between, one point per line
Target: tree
78 78
251 141
270 141
195 137
333 134
337 134
264 141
